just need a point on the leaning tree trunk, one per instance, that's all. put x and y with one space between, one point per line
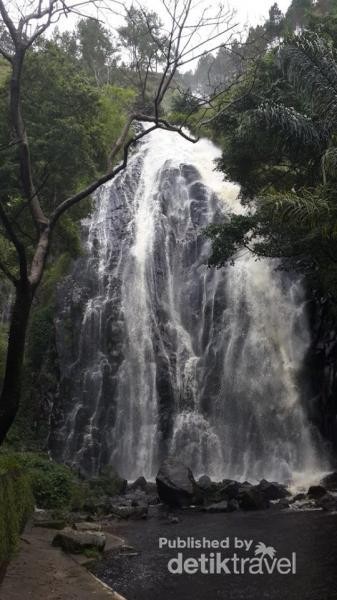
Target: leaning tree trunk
11 389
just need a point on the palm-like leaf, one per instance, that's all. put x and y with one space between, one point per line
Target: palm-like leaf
288 123
329 163
309 63
306 208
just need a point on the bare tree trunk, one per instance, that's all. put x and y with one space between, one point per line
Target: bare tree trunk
11 390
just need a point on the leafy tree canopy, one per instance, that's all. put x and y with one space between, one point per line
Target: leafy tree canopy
279 136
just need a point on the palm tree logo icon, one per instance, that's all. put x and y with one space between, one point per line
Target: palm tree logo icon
262 550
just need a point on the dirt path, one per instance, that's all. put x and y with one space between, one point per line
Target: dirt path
42 572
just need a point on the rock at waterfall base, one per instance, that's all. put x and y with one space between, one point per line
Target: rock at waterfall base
328 502
316 492
252 499
175 484
205 482
129 512
330 482
139 484
271 490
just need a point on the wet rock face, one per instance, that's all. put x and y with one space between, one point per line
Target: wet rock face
90 337
101 375
321 369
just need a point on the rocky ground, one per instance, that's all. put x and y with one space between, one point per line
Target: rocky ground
53 552
312 535
40 572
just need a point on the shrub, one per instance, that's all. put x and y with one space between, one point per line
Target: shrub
16 504
53 485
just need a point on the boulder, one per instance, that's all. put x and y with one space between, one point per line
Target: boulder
252 499
129 512
139 484
230 489
151 488
316 491
77 542
298 497
218 507
272 490
205 482
233 505
136 498
87 526
282 503
175 484
330 482
48 519
327 502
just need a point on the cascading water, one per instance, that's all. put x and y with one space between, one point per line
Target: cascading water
160 354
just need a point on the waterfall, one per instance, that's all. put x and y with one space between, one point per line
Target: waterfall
161 355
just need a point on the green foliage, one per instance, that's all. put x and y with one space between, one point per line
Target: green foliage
62 113
108 483
16 504
39 335
185 103
4 72
97 52
66 122
92 553
92 46
116 102
53 485
142 39
228 237
279 139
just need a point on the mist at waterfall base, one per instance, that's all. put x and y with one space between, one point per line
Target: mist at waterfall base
171 357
